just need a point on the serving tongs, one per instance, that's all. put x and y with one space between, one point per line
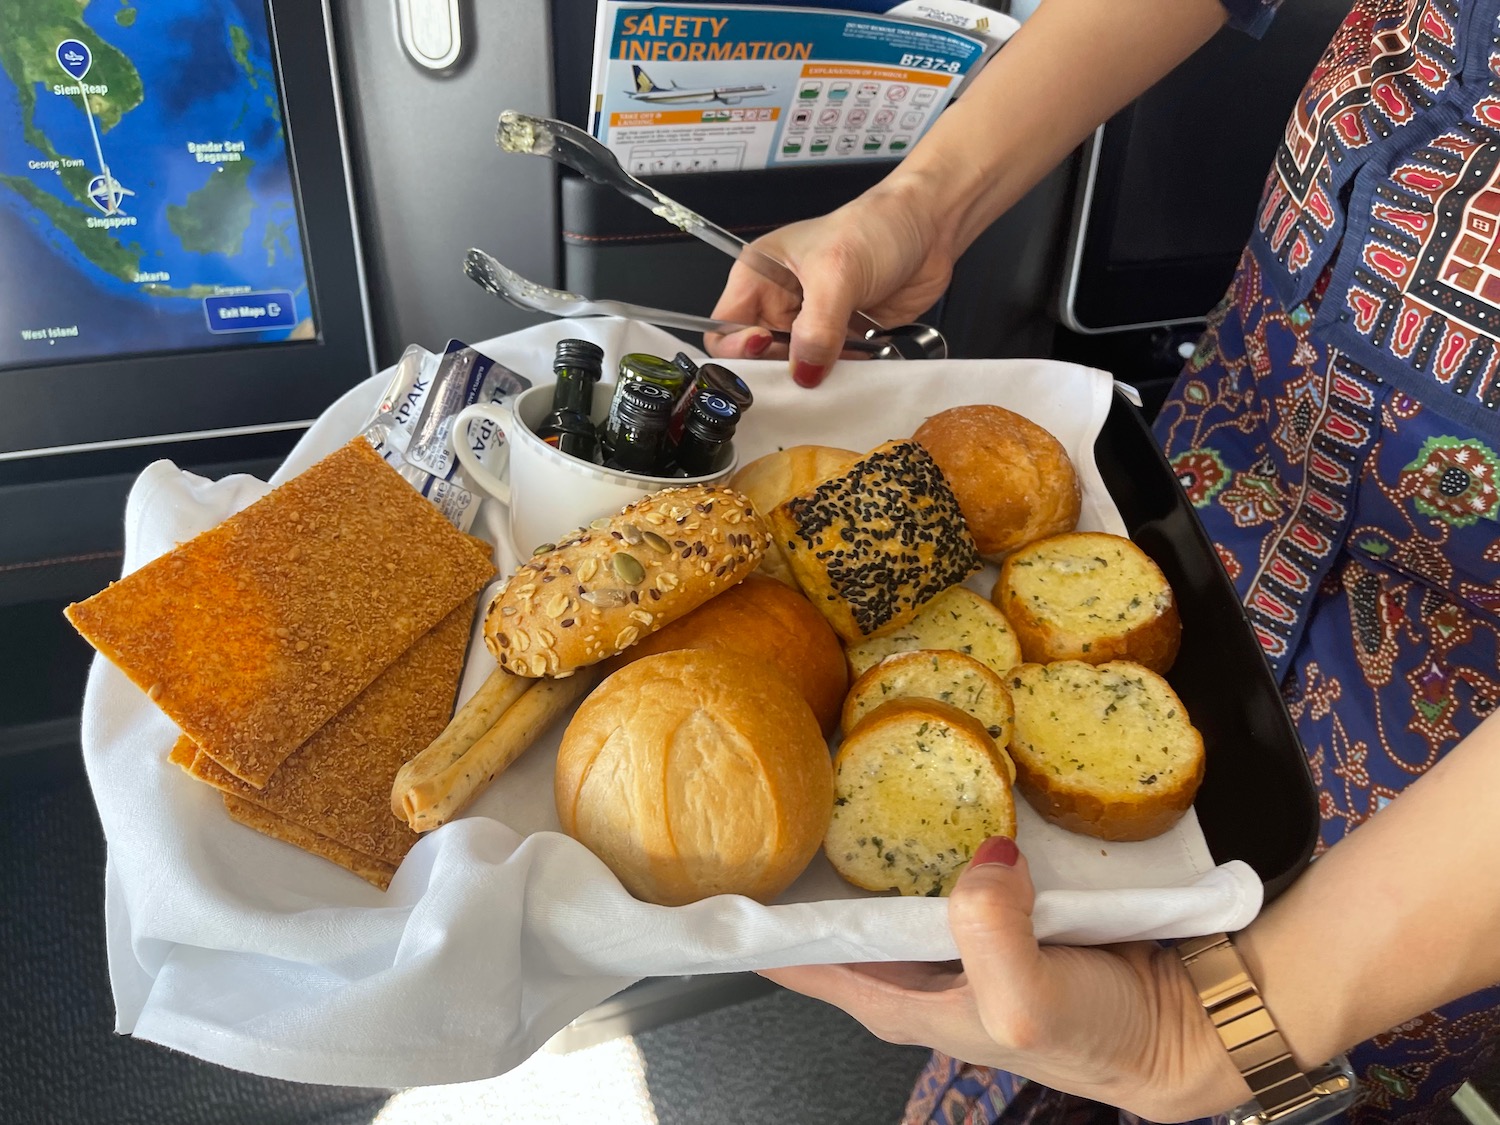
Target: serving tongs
573 147
489 274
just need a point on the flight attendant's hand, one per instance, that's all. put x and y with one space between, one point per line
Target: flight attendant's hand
1119 1024
881 253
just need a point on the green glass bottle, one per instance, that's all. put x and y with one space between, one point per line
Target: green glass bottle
635 438
638 367
710 378
578 365
704 446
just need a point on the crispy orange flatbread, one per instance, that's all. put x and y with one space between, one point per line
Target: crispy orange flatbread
337 785
367 867
254 634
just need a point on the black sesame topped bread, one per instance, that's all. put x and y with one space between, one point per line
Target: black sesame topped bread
605 586
870 546
1106 750
769 480
958 620
1092 597
918 786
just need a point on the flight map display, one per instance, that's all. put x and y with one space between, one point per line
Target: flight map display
146 199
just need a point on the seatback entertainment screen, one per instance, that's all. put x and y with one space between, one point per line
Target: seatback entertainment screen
146 197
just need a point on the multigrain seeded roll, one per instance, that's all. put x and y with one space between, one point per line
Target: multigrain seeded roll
918 786
1104 750
607 585
1092 597
958 620
871 546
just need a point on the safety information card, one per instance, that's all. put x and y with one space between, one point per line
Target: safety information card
720 87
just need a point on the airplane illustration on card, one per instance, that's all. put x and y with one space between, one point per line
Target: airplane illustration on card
648 91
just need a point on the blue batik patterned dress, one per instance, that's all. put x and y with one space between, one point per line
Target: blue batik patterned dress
1338 432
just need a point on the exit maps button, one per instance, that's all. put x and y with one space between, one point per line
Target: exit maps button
250 312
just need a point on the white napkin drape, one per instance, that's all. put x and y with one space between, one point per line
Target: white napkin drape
498 930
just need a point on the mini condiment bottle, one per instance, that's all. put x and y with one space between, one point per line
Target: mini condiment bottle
706 433
639 367
714 379
685 362
578 365
635 436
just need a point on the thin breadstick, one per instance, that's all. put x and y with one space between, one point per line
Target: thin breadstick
483 710
436 800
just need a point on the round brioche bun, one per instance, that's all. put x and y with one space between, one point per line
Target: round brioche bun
764 620
1089 596
695 773
1013 480
770 480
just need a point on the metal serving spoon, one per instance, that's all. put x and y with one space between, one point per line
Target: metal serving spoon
572 146
489 274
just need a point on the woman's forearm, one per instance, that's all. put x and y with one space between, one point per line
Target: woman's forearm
1399 917
1070 67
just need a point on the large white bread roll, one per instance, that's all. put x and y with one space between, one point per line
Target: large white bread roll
779 476
1013 480
694 773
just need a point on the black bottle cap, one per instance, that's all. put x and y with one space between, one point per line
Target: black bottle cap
685 361
579 353
644 402
712 417
725 382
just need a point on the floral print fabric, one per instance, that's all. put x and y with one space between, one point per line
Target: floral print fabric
1338 432
1363 533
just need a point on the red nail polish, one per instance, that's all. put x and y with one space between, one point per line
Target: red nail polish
997 849
808 374
756 346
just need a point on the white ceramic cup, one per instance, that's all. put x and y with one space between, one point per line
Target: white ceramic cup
548 493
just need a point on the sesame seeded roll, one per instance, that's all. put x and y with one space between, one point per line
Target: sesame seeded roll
869 547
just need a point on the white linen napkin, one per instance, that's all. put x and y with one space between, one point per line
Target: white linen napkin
498 930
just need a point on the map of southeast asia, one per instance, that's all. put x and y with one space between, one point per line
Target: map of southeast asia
146 203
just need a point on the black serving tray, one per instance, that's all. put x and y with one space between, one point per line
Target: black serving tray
1257 802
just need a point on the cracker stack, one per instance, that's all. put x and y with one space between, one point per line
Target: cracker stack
307 647
335 788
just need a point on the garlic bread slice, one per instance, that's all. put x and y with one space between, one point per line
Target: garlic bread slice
1092 597
959 620
1106 750
938 674
918 786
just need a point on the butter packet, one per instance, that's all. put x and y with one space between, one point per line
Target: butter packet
464 376
413 425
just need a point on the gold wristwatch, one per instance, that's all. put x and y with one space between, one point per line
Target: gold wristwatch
1281 1091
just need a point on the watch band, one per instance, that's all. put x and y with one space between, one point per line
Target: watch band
1249 1033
